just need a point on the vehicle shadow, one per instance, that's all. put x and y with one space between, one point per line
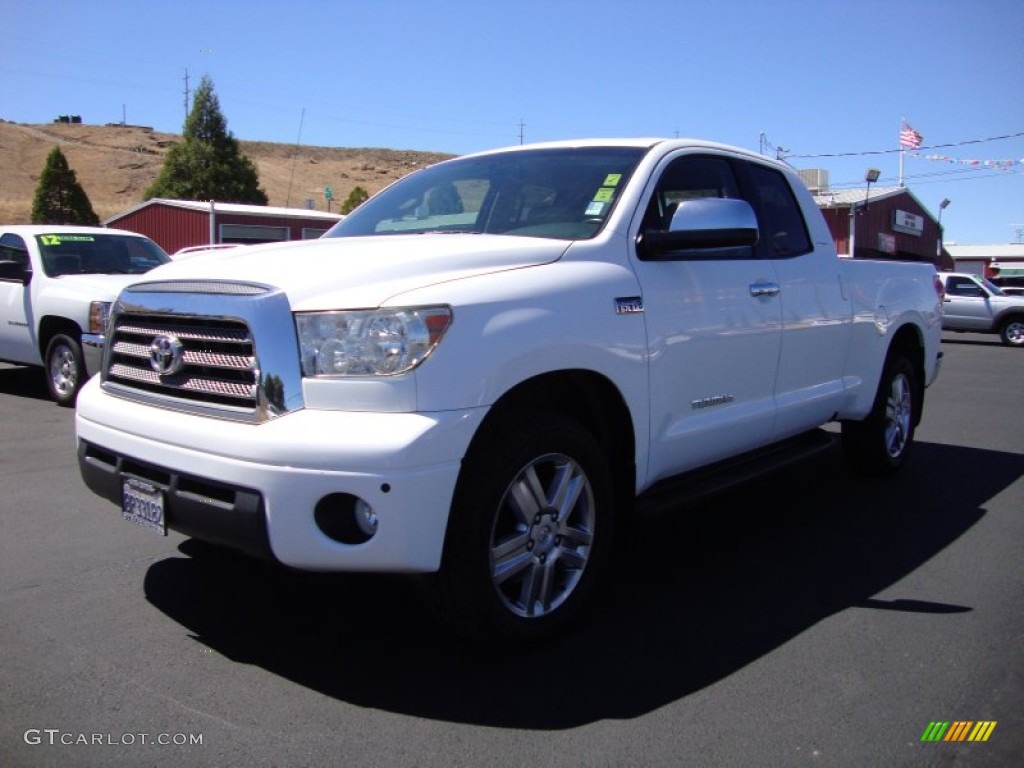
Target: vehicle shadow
973 340
23 382
696 596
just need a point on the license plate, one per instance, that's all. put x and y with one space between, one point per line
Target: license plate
143 503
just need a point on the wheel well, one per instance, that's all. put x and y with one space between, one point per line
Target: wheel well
595 403
908 341
50 326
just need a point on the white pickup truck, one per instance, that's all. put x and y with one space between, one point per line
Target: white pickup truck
57 283
480 368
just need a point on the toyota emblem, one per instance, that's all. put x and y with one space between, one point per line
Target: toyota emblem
166 355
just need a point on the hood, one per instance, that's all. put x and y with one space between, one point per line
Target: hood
362 272
1008 300
94 287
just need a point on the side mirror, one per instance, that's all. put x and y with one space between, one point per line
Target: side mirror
14 270
706 224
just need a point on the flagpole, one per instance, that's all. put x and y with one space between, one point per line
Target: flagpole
903 121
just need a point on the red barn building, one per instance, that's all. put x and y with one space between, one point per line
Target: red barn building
880 223
177 224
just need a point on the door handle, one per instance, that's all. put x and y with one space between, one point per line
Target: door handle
764 289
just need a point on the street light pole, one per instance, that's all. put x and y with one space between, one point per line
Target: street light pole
938 245
871 176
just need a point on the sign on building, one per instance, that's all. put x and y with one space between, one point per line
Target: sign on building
907 223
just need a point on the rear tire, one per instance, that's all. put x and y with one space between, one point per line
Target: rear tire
65 369
1012 332
530 529
880 444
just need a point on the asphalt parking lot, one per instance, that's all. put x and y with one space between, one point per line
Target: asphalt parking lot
810 618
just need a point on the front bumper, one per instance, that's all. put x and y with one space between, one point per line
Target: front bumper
92 351
255 487
935 369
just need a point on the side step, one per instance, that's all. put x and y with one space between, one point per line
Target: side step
715 478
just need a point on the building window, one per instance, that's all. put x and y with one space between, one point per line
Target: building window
252 233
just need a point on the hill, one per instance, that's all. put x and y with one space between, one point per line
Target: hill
115 165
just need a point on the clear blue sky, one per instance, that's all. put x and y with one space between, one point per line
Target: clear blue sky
817 78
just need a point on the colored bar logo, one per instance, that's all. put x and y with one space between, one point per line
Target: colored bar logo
958 730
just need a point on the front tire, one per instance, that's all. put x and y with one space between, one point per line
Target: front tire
881 443
1012 332
65 369
530 529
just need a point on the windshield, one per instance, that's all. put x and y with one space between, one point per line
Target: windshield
565 194
992 287
98 253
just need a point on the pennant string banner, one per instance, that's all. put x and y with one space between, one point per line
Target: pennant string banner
1001 165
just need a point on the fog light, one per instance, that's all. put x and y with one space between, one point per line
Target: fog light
345 518
366 518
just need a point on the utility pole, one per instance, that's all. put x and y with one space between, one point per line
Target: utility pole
522 125
186 93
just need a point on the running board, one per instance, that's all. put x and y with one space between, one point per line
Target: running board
715 478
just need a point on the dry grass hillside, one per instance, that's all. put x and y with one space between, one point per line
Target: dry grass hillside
116 164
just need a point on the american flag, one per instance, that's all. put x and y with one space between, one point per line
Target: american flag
909 138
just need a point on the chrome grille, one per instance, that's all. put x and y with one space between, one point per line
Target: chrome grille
217 359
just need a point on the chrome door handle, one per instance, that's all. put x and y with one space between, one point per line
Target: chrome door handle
764 289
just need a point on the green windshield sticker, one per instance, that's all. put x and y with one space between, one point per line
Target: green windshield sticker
604 195
612 180
58 239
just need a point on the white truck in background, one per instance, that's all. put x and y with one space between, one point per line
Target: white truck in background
57 283
483 366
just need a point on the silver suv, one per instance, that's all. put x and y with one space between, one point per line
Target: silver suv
973 303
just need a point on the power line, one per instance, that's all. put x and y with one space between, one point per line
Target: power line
964 174
902 149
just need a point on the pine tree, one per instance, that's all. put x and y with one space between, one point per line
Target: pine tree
355 198
207 164
59 198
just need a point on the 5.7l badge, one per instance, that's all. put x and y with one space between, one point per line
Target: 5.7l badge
629 305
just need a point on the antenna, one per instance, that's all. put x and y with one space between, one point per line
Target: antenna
295 157
1019 229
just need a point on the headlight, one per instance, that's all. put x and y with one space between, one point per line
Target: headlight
369 342
99 313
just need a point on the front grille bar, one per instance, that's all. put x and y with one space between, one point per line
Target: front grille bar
217 360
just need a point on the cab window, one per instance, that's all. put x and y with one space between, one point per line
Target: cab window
689 178
964 287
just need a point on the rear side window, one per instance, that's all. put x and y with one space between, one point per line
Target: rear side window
783 231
